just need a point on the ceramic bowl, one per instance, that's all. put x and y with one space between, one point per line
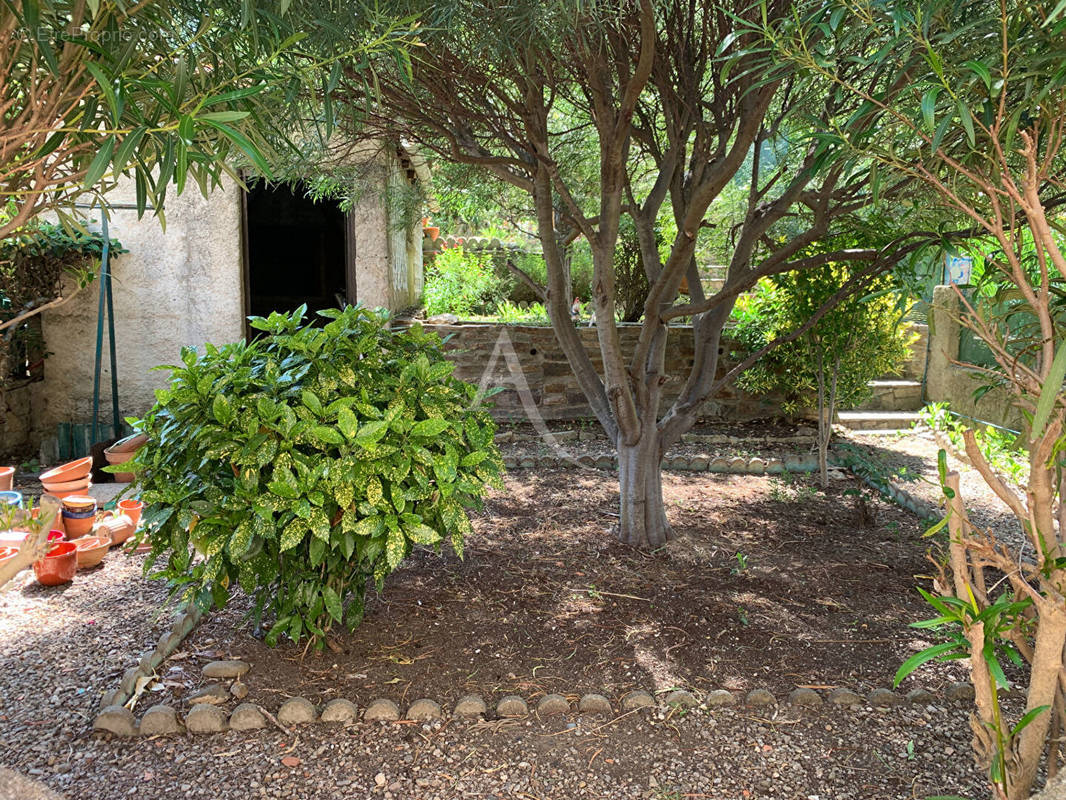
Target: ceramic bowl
70 471
78 484
91 550
58 566
61 494
8 498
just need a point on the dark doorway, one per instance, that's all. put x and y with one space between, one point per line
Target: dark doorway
296 250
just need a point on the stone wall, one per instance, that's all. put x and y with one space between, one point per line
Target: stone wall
953 383
513 357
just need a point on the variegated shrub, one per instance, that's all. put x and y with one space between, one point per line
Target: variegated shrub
307 463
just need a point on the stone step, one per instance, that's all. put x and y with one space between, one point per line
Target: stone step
877 420
894 395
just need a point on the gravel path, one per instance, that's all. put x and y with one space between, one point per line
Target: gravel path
917 451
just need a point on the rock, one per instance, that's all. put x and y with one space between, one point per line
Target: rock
129 681
204 718
297 711
424 709
637 699
682 698
804 697
216 694
161 720
512 706
699 463
842 696
884 698
13 785
247 717
552 704
382 708
340 711
594 704
471 706
111 698
720 698
239 690
117 720
961 692
760 697
380 779
225 669
921 697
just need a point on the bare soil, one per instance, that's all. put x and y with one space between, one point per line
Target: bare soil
771 583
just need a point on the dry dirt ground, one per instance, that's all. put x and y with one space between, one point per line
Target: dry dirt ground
772 583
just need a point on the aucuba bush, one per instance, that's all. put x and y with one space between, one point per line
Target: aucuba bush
306 464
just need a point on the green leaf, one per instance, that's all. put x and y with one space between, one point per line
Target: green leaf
293 534
245 144
920 658
222 410
310 399
1028 717
421 534
967 123
326 434
374 491
429 428
347 422
929 107
394 548
333 603
100 163
371 432
1050 393
283 489
981 71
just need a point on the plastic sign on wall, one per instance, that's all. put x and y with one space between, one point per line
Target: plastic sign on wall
957 269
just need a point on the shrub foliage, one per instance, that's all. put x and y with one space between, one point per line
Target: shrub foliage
308 463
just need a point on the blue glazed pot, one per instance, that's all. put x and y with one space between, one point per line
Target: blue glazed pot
11 499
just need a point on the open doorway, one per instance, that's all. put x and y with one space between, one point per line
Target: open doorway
297 251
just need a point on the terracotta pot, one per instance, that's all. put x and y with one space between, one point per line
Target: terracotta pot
79 516
58 566
60 495
91 550
131 444
7 478
7 553
70 471
132 509
432 232
118 526
66 486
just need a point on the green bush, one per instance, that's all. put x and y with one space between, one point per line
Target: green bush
462 283
308 463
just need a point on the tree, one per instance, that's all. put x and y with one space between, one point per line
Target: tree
671 98
162 92
831 364
978 116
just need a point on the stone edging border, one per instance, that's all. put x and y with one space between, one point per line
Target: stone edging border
163 720
185 619
700 463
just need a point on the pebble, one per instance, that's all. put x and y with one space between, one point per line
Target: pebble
884 698
472 705
922 697
593 703
117 720
204 718
552 704
247 717
681 698
512 706
161 720
239 690
382 708
760 697
720 697
805 697
842 696
340 711
225 669
960 692
297 711
637 699
424 709
215 694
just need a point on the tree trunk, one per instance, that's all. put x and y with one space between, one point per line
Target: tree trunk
642 517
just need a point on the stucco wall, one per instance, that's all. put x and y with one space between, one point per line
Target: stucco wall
173 288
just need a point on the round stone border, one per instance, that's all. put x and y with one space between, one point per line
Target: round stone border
185 619
162 720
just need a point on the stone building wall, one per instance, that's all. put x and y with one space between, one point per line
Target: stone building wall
517 356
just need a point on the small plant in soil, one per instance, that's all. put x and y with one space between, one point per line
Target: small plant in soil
307 464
